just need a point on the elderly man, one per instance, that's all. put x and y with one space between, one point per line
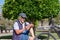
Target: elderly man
22 28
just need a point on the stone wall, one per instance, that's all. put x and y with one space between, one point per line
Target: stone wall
45 23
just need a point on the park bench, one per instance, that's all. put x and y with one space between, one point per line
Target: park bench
48 32
57 30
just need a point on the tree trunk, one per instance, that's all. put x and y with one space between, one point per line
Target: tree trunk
34 28
41 22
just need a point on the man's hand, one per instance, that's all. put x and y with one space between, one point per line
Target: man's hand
29 26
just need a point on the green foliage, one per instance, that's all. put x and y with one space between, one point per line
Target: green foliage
35 9
36 23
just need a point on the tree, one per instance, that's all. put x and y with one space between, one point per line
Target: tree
35 9
57 19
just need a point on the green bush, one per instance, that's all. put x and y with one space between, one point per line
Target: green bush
6 37
2 27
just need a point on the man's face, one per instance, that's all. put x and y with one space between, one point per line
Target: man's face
22 19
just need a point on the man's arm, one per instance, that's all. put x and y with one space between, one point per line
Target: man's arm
19 31
16 28
27 28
